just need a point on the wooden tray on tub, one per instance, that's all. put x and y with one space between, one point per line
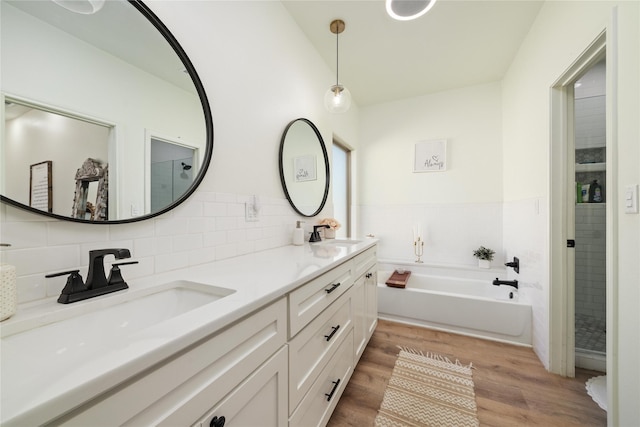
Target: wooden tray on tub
398 280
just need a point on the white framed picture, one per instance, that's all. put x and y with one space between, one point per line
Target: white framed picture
304 168
431 156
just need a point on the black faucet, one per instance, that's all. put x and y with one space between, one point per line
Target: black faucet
513 283
97 283
515 264
96 278
315 236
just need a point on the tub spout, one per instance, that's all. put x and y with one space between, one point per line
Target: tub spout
499 282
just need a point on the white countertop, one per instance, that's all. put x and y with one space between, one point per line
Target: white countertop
38 387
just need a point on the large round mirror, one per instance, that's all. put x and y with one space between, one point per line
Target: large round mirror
104 117
304 167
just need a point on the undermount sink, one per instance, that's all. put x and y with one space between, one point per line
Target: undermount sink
88 328
341 242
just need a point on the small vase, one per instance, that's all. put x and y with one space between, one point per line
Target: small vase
329 233
484 263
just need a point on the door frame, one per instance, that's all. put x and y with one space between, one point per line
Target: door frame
561 301
562 224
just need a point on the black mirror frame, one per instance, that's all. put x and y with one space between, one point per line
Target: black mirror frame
326 163
206 109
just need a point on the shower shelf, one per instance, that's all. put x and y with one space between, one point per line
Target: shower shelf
591 167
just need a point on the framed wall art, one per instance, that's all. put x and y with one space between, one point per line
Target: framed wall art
431 156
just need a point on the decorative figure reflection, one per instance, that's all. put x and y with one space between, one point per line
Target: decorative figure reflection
91 171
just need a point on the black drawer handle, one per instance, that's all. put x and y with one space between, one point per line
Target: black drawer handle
333 332
217 422
333 390
332 288
368 276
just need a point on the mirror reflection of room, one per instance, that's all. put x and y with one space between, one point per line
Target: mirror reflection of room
34 135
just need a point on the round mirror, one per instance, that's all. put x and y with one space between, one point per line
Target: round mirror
304 167
105 118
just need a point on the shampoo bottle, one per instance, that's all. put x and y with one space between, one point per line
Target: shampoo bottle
595 192
298 234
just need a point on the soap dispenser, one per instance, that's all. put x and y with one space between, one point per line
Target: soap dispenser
298 234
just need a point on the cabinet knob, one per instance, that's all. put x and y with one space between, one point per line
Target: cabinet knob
217 422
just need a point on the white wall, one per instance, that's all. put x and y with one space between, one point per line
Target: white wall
459 209
561 32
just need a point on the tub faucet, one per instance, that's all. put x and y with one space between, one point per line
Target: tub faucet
315 236
515 264
499 282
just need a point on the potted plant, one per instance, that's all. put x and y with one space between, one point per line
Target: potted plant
330 233
485 256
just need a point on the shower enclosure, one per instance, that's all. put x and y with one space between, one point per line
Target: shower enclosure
590 219
172 168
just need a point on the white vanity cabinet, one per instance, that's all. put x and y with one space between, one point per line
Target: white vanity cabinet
365 297
285 364
330 323
199 381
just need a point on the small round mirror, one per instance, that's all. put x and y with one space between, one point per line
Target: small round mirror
304 167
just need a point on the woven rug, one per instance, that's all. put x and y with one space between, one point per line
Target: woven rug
428 390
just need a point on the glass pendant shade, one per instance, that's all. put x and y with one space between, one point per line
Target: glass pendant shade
84 7
337 99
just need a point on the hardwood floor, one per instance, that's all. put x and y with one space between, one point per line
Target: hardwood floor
512 387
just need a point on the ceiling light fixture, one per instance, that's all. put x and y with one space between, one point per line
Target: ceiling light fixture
84 7
338 98
406 10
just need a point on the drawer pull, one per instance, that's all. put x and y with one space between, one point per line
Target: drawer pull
332 288
368 275
333 390
217 422
333 332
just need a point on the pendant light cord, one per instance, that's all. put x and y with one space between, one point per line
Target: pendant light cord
337 55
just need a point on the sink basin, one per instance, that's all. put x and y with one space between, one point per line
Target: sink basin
341 242
119 314
59 348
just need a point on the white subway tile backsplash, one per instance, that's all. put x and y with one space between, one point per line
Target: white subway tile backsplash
207 227
64 233
24 234
214 209
171 226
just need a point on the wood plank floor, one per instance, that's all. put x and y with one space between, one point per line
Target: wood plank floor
512 387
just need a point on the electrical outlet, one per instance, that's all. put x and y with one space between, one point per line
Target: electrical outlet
250 212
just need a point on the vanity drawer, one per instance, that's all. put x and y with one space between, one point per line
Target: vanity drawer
194 380
364 261
318 405
309 300
310 350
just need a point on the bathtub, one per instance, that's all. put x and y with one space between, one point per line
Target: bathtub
456 299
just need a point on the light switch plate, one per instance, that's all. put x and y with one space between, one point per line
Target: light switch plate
631 199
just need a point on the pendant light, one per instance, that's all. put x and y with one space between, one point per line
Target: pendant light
338 98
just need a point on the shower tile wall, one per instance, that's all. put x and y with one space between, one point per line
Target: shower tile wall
591 259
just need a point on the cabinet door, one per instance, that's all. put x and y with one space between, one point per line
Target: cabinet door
260 400
371 300
359 317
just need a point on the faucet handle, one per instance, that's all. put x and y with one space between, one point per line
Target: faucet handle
115 275
74 284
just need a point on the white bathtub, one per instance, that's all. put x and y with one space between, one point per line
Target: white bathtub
460 300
